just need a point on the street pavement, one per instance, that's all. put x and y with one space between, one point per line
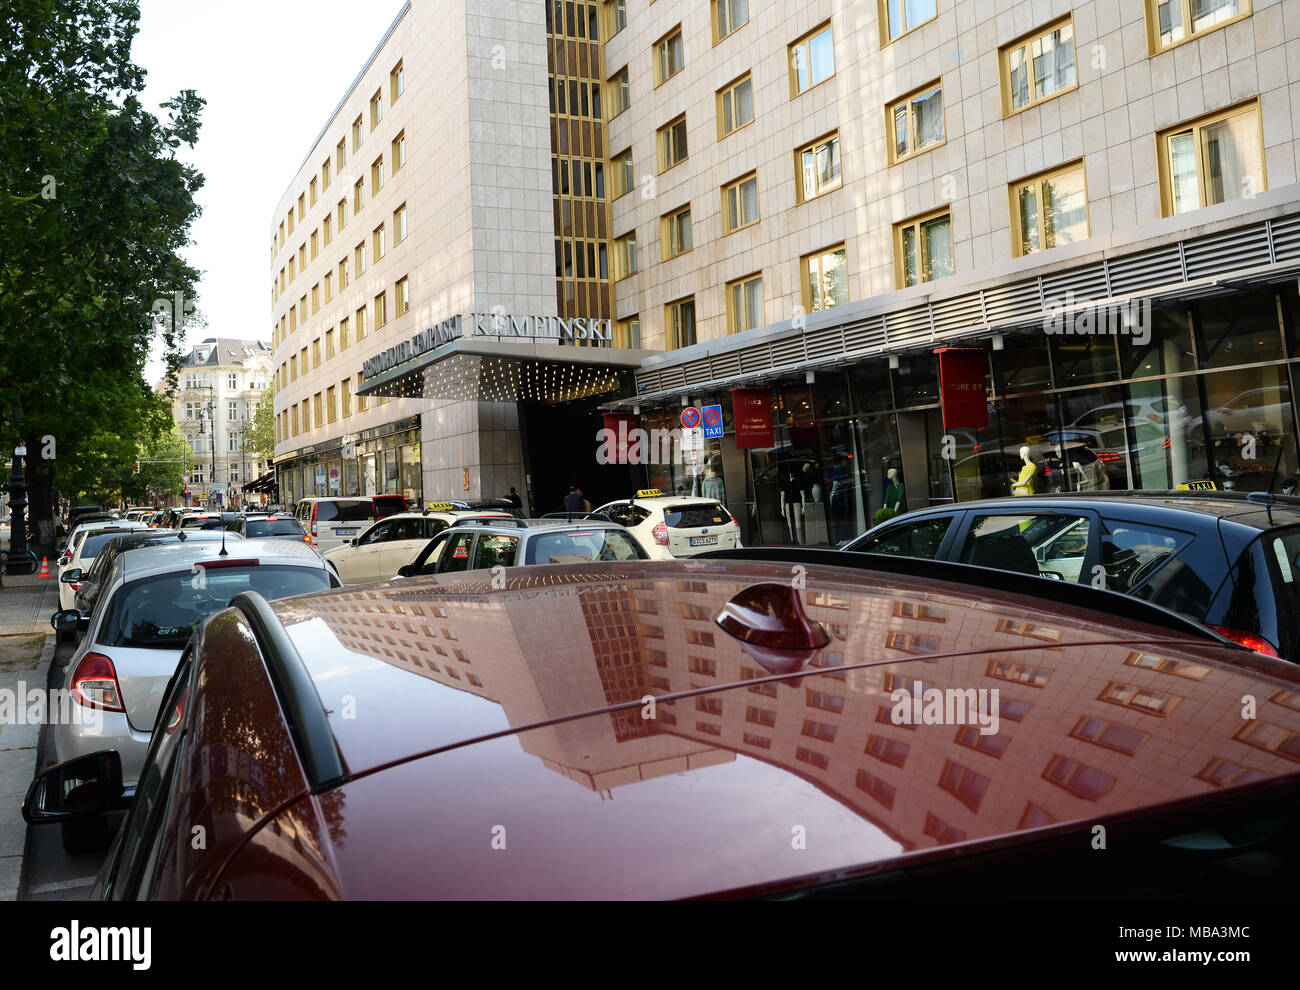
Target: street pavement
27 646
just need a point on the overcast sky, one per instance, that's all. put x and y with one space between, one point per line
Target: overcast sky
271 71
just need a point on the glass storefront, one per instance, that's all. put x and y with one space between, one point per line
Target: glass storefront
1204 393
384 465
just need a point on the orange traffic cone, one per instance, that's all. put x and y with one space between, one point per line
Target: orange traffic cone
45 567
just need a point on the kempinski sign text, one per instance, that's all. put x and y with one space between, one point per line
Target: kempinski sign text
490 325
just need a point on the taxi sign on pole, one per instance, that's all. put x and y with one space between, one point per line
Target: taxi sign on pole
713 428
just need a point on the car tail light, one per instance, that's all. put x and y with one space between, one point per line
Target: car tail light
313 520
1107 455
660 534
1252 641
94 683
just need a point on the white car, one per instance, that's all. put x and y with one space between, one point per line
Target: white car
378 553
671 526
79 535
85 548
152 601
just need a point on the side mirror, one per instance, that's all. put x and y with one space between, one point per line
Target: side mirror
79 788
71 576
69 620
60 548
353 542
406 570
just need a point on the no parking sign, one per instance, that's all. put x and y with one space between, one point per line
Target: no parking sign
690 418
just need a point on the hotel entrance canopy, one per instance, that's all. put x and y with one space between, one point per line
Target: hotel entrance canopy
501 368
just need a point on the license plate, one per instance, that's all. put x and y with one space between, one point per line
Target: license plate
345 532
704 541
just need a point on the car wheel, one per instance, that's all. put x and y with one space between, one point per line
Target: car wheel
85 835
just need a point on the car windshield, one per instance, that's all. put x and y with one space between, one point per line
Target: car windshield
160 612
581 546
93 542
255 528
347 511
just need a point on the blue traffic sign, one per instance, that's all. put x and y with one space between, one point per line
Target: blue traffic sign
713 428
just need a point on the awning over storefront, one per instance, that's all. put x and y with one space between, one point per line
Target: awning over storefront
497 370
263 485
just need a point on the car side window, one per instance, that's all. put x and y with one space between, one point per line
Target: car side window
1133 553
377 535
920 539
1048 545
496 551
455 554
432 527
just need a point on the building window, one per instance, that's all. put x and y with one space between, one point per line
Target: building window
358 195
376 109
1077 778
622 179
312 190
331 405
740 203
668 55
315 298
812 60
379 243
897 17
381 311
315 243
625 256
344 273
396 83
735 105
302 205
399 224
329 343
340 155
627 333
679 323
377 175
675 233
615 17
342 213
745 303
1172 21
329 286
923 249
360 320
1038 66
325 175
328 227
1117 737
1139 699
346 386
1049 210
887 750
817 167
672 143
825 278
728 16
1212 159
343 333
399 151
359 258
358 132
915 122
401 292
964 784
618 95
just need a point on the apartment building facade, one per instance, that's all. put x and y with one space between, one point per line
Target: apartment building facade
219 386
1090 208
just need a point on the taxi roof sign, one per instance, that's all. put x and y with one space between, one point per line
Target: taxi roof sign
1198 486
649 493
441 507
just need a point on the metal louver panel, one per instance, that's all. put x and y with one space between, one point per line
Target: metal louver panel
1243 248
672 377
1286 238
697 371
754 359
787 352
825 343
1145 271
861 336
647 382
1075 286
726 365
1011 302
960 313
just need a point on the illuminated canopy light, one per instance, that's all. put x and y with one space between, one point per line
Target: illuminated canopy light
489 379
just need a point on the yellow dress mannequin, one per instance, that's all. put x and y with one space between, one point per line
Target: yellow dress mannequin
1028 478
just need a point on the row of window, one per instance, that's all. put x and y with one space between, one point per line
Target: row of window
201 380
349 329
326 406
235 411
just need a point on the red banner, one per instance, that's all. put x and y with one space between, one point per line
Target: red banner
963 387
628 422
752 409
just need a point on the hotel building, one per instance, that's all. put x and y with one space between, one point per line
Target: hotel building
808 199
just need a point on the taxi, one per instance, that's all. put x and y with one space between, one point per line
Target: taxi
671 526
395 540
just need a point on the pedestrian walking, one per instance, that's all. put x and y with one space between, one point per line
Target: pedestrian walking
573 501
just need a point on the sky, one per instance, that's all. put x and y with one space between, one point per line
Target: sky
271 71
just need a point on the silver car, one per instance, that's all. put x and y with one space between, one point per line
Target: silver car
153 600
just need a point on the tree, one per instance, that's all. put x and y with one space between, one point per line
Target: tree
261 429
94 211
165 460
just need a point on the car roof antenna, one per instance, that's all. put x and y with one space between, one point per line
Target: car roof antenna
224 552
1265 498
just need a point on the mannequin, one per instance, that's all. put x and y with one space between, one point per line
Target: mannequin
895 495
1027 482
792 503
712 486
812 487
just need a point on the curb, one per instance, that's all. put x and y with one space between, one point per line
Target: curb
16 890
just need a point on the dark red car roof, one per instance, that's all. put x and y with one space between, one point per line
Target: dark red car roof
495 743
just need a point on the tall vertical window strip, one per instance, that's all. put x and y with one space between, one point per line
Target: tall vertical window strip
923 248
818 167
619 95
625 255
1038 67
740 203
812 60
825 278
376 109
1049 210
745 303
399 224
728 16
402 294
669 56
396 83
1211 160
897 17
358 132
627 333
672 144
915 123
735 105
622 179
676 233
377 175
399 151
1172 21
679 323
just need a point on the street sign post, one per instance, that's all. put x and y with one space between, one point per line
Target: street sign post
713 428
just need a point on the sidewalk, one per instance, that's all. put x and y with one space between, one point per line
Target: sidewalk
26 650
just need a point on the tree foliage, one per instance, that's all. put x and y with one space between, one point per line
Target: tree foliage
95 209
261 430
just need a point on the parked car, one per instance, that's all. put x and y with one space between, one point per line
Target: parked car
90 539
151 602
268 527
79 534
535 758
392 542
1225 560
473 545
669 526
1144 440
332 522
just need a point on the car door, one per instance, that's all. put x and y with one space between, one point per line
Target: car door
1040 541
403 542
927 538
364 562
457 552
